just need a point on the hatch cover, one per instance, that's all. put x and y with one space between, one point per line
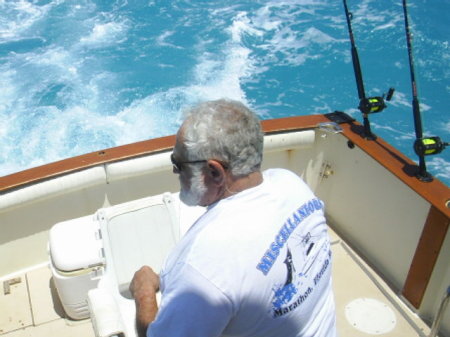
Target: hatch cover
370 316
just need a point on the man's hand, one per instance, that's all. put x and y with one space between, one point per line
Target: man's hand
145 281
143 288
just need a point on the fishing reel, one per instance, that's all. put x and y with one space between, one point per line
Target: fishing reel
375 104
429 146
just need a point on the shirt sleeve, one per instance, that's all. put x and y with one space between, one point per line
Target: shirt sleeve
191 306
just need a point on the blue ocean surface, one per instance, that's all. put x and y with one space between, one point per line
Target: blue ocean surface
79 76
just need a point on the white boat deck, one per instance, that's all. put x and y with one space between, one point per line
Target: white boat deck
32 307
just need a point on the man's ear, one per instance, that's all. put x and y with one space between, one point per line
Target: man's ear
216 172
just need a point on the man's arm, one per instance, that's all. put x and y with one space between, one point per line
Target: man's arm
143 287
191 306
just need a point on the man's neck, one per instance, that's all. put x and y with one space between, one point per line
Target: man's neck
239 184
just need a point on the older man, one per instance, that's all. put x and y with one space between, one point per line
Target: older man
258 262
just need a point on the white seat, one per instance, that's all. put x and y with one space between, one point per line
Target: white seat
119 240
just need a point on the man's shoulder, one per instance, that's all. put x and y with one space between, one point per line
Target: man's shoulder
281 174
282 179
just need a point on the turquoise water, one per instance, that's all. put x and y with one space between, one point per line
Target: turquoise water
79 76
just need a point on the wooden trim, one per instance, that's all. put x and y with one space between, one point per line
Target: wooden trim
425 257
85 161
292 123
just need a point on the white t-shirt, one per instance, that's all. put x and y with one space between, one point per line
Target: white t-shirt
255 264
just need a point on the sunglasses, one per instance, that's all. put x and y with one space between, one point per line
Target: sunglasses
178 165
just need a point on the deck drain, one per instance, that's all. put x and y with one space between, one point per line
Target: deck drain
370 316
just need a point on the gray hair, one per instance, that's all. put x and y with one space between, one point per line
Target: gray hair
227 131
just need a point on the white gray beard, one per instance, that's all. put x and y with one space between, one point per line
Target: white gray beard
193 195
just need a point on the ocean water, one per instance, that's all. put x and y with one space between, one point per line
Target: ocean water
79 76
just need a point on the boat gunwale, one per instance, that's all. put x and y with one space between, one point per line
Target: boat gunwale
435 192
134 150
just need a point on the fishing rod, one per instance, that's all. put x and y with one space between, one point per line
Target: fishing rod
367 105
422 146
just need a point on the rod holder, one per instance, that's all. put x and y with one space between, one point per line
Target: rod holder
440 314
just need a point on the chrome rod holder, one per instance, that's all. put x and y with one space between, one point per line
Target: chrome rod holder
440 314
329 127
